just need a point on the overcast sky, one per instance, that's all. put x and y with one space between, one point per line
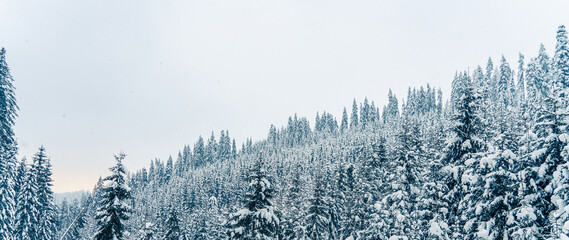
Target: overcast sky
97 77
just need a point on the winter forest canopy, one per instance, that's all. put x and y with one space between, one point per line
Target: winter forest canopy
491 162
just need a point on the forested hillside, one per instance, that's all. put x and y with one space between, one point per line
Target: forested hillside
489 163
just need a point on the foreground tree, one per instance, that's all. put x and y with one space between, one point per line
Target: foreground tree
41 169
555 152
466 128
8 149
258 219
113 209
27 210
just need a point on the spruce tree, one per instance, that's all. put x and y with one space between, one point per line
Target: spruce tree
344 124
173 231
27 212
391 111
402 201
466 126
561 57
8 149
41 169
354 118
490 188
258 219
465 140
521 80
113 209
553 153
317 219
199 153
365 113
292 222
233 149
535 216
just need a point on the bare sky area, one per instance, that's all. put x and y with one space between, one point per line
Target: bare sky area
146 77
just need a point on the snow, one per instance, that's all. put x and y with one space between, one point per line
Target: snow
398 238
436 228
488 162
508 154
400 217
563 138
466 145
452 170
526 213
483 232
243 212
542 170
468 224
469 178
538 153
269 215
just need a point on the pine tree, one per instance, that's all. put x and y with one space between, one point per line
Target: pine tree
561 57
556 120
456 88
391 111
317 218
535 213
537 75
354 119
199 153
490 188
292 222
344 124
41 169
376 185
233 149
148 231
272 138
258 219
169 171
173 231
8 149
364 113
521 80
466 127
489 69
27 212
403 200
211 149
113 208
20 177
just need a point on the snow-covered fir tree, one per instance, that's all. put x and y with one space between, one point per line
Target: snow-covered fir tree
41 169
258 219
172 225
8 149
466 127
113 207
27 212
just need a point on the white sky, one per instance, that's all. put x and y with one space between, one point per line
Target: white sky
96 77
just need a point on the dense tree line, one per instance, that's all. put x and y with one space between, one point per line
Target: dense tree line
490 163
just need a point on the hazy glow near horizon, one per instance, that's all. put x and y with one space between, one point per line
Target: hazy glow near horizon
146 77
